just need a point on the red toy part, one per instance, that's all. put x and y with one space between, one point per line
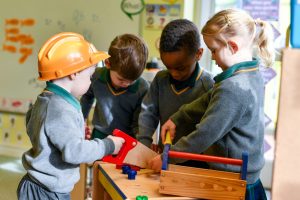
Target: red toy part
206 158
127 146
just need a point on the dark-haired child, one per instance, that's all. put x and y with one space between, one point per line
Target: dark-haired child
182 82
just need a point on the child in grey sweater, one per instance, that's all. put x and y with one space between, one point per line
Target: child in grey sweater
230 117
55 122
182 82
118 88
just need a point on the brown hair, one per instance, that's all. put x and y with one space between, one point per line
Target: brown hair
232 22
129 54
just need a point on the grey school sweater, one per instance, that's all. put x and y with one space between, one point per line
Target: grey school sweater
114 109
163 100
55 127
230 120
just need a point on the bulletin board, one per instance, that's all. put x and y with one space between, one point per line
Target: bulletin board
156 15
26 25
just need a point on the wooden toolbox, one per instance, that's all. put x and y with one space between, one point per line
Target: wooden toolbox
203 183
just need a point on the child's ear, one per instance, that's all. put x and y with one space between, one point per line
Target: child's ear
107 64
233 46
199 53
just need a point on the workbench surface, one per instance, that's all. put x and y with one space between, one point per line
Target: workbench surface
108 179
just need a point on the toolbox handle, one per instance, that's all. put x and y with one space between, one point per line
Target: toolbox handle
206 158
190 156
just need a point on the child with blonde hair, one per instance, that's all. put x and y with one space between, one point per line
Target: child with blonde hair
231 115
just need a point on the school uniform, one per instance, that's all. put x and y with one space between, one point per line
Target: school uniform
165 97
114 108
230 121
55 127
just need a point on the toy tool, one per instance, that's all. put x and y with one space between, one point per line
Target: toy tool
132 152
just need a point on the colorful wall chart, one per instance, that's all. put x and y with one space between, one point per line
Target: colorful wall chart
156 15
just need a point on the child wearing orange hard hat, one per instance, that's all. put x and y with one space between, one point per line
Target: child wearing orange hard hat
55 122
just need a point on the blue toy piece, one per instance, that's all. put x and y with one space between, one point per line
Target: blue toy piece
244 165
125 169
131 174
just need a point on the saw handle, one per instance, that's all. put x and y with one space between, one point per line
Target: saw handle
129 143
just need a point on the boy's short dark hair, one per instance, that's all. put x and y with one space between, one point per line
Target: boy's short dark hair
180 34
129 55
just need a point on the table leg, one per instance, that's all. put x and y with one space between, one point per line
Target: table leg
107 196
98 189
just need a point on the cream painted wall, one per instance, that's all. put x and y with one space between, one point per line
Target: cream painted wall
99 20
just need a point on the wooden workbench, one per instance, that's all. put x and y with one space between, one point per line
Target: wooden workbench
109 182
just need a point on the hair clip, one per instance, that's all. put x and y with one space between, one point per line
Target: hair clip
257 21
228 22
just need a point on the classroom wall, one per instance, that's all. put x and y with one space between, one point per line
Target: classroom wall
25 26
13 137
28 24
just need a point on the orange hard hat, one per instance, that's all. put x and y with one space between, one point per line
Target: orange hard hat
67 53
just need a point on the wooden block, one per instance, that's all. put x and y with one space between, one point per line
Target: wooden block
209 185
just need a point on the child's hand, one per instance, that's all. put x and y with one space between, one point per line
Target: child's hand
118 142
88 132
156 148
168 126
155 163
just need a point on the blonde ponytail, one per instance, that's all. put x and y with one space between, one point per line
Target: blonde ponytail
264 41
233 22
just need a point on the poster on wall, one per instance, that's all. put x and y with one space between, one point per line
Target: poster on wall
267 10
155 17
15 105
158 15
